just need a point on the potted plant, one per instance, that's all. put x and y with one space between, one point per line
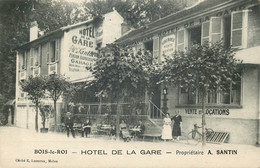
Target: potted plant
45 111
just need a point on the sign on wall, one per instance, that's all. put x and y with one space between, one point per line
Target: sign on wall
81 51
168 45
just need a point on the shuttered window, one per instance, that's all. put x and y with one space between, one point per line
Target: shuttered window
215 29
48 52
57 50
205 32
31 57
239 28
212 30
181 40
156 48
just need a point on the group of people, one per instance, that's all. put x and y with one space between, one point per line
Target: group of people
69 122
86 128
170 132
136 131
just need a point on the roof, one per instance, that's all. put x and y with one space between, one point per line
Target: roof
53 34
178 17
59 32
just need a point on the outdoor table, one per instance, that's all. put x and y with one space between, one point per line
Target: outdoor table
106 129
135 130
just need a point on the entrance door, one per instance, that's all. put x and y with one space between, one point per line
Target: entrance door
156 99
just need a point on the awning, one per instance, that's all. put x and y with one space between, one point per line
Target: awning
10 102
249 55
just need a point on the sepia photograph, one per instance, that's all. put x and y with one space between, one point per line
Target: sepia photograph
129 83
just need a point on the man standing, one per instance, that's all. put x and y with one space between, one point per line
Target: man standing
69 124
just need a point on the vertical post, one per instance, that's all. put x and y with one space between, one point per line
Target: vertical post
258 109
203 120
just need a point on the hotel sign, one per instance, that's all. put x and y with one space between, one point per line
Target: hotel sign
81 51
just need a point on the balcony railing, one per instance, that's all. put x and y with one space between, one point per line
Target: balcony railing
52 68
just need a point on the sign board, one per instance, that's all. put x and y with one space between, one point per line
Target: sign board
81 52
168 45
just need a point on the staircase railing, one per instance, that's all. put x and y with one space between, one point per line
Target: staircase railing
155 111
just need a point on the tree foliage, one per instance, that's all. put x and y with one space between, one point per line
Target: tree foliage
15 19
135 12
35 89
202 68
121 72
56 85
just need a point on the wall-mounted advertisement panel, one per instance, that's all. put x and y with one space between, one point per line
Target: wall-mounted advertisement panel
168 46
81 51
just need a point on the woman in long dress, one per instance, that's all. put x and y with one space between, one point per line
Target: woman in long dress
167 130
176 131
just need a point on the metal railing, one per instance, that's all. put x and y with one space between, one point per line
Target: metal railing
111 108
155 111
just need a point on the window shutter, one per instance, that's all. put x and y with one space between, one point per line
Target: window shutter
31 56
239 21
215 29
40 55
48 52
156 48
57 49
205 32
180 40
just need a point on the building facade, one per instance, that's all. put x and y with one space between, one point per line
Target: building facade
67 51
237 23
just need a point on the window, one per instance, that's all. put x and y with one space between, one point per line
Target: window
194 35
156 48
227 30
22 61
53 51
231 96
187 97
181 40
31 58
37 56
212 30
239 23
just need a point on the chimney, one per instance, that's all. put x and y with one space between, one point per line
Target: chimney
33 31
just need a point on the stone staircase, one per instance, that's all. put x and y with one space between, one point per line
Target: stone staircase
153 126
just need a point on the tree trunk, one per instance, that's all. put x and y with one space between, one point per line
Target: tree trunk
36 117
55 122
203 120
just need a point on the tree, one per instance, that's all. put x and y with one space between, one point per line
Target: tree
56 84
203 69
35 88
45 111
135 12
15 19
119 73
